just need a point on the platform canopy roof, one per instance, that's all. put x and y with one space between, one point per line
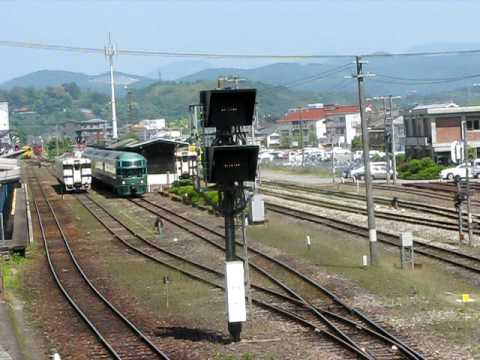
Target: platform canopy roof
136 144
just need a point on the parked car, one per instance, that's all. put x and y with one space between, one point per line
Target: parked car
460 171
378 170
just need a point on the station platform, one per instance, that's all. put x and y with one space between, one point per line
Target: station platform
18 216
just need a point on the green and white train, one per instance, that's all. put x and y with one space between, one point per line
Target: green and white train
124 172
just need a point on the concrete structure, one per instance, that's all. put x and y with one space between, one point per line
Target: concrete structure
94 131
337 124
12 208
431 129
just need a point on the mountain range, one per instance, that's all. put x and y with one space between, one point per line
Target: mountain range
99 83
420 75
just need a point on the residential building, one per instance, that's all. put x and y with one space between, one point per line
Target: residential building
432 130
330 124
154 129
94 131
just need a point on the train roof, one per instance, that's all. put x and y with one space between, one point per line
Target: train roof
112 154
70 160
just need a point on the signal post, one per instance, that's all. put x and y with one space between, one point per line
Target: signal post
228 162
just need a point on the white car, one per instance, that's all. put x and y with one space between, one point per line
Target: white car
378 170
457 172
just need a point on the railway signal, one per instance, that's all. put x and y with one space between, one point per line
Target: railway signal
228 163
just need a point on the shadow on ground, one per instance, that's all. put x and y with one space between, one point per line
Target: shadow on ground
184 333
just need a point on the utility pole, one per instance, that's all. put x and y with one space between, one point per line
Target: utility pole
392 137
385 138
56 139
110 52
467 183
372 231
333 159
301 137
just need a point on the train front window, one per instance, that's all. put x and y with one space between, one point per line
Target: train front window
131 172
136 163
77 166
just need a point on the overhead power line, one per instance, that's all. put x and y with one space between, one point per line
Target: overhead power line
431 80
66 48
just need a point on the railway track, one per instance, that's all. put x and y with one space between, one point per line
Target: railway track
438 224
263 297
426 191
446 212
373 338
448 256
118 336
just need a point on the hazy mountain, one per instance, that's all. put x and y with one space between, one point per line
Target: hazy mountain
394 75
100 82
178 69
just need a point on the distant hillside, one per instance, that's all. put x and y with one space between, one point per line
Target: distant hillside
44 78
171 100
394 75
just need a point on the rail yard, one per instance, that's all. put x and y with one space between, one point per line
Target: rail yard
240 180
127 291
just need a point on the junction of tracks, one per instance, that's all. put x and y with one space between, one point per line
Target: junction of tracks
100 273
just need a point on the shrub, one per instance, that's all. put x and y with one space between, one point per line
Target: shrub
423 169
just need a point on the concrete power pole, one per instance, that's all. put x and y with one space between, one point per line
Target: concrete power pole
392 134
56 140
301 137
467 183
110 52
387 152
372 231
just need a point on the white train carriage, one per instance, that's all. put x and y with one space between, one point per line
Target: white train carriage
74 173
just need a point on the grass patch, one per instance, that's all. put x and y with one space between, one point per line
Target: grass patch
185 296
306 170
11 272
422 294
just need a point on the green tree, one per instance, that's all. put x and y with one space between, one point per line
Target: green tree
72 89
285 141
312 138
356 143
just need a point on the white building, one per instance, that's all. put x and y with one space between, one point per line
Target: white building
4 122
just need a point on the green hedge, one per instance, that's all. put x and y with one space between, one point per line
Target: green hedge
423 169
185 188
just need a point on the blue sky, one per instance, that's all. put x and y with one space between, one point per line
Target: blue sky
280 26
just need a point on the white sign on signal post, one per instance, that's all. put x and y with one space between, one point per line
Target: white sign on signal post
457 151
235 291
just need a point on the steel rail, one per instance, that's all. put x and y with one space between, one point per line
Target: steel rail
335 328
403 347
135 330
446 225
420 248
285 313
432 209
207 268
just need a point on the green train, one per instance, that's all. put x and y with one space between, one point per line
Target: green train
124 172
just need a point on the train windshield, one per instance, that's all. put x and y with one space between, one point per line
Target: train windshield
135 163
131 172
